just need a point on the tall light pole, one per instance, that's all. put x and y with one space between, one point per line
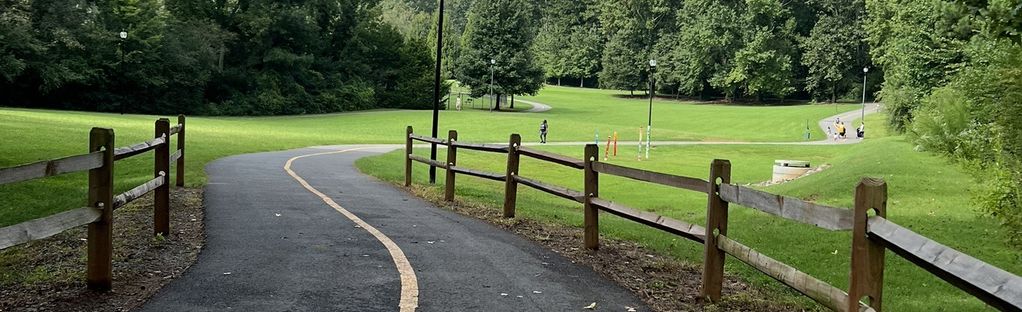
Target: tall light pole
652 92
864 71
492 96
436 86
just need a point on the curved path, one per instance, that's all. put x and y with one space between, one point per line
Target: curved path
849 118
537 107
275 243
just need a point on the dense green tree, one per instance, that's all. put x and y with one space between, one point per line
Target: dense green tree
632 29
709 36
833 52
918 43
569 42
502 31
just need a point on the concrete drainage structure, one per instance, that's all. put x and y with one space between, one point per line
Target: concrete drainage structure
785 170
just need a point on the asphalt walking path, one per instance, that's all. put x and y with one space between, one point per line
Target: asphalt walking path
314 238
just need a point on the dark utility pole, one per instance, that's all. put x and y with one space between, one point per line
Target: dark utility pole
436 86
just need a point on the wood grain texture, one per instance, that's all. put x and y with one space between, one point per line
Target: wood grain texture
139 148
830 218
135 193
716 224
179 155
478 173
684 229
558 191
174 158
866 275
408 154
161 170
46 226
591 221
49 168
427 139
99 264
996 287
827 295
510 183
551 157
692 184
482 147
434 163
452 160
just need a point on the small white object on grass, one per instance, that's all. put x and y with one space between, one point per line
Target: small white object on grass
591 306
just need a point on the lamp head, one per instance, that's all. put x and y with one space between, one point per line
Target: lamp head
123 35
865 69
652 63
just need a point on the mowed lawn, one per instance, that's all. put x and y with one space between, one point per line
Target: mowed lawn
927 194
32 135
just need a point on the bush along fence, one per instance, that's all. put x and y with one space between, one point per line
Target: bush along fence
872 233
101 199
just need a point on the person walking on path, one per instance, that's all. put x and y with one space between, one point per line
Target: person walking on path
542 132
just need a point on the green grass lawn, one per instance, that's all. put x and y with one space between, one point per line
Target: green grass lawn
926 194
32 135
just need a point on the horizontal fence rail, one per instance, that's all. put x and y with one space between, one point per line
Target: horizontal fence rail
46 226
551 157
827 295
871 236
690 231
100 165
835 219
479 173
692 184
131 195
558 191
49 168
994 286
128 151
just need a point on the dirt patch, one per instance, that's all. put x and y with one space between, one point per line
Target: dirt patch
662 282
49 275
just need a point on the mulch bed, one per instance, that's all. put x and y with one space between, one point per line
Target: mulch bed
49 275
662 282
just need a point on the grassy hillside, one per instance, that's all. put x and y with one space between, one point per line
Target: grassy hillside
32 135
927 194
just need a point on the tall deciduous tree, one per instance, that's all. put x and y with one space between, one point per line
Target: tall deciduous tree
502 31
833 52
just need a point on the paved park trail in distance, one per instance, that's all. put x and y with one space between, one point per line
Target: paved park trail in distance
849 118
277 244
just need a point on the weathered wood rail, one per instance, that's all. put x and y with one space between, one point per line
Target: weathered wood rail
102 201
871 236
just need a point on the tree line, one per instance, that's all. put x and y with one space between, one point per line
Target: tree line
214 57
949 72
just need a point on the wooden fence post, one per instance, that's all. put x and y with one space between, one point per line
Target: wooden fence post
591 227
867 272
99 269
510 184
408 160
452 160
161 169
181 149
716 223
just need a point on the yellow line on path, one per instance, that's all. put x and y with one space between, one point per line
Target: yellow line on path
409 284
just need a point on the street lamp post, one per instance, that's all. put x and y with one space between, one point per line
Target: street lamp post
864 71
492 96
436 86
652 92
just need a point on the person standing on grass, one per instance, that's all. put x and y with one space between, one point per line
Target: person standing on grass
542 132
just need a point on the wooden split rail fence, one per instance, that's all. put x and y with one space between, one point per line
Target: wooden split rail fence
872 235
101 199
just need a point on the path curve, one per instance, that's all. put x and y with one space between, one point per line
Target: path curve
849 118
537 107
274 245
